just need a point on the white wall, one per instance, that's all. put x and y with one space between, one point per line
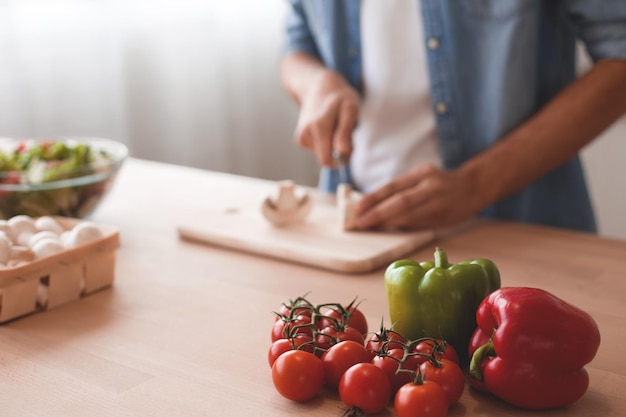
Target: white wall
192 82
606 171
606 174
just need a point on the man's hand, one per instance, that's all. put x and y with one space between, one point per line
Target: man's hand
329 106
424 198
427 197
328 115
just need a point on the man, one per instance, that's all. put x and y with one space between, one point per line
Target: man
449 109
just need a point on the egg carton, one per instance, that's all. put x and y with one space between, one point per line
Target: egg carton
50 281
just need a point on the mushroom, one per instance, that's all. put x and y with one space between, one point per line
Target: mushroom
42 235
21 255
21 228
46 247
47 223
346 207
287 207
82 233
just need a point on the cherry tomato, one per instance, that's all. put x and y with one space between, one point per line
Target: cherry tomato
357 320
365 386
340 357
437 348
385 339
353 318
282 329
448 375
298 375
281 346
390 363
285 311
328 336
421 400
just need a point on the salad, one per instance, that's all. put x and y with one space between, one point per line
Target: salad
56 176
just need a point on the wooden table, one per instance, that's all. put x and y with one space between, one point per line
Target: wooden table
185 329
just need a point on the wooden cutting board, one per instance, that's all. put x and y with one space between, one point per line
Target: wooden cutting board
319 241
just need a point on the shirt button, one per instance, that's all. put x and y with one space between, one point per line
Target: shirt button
441 108
352 51
432 43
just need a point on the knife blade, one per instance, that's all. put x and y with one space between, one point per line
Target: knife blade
342 167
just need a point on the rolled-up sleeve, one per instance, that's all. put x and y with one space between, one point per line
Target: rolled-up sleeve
298 34
601 25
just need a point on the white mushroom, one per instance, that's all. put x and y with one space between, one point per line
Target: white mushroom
23 239
21 254
346 207
48 223
42 235
21 228
65 238
82 233
47 247
286 207
42 295
4 226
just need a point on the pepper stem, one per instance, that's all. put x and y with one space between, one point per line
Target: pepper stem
441 258
475 368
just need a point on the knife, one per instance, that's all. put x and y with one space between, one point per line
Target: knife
342 167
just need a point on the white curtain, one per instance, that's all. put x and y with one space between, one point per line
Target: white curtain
192 82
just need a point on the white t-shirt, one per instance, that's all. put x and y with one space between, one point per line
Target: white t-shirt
396 129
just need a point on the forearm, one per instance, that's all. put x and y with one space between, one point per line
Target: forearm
329 106
298 71
554 135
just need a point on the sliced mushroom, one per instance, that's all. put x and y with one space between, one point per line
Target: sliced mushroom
287 207
346 207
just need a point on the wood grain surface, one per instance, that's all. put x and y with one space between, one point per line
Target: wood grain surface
319 241
184 331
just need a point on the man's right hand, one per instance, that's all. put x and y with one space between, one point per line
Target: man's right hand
329 107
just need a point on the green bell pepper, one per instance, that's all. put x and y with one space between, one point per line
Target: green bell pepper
436 299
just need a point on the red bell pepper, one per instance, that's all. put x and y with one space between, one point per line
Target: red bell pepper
530 348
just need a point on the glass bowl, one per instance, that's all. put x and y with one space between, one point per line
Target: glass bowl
61 176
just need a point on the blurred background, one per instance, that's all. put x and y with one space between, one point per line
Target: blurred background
191 82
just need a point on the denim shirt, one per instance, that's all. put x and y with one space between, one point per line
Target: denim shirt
492 64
